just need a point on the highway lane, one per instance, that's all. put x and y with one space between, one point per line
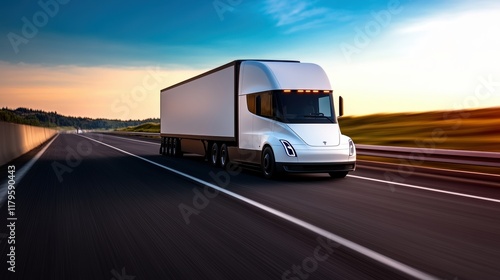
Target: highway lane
109 199
446 235
111 216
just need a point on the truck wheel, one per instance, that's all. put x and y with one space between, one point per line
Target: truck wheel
223 156
179 148
163 146
176 147
169 146
340 174
172 147
268 164
166 148
214 154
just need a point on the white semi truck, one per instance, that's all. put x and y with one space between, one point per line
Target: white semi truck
275 115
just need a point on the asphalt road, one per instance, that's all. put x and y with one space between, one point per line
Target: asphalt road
90 211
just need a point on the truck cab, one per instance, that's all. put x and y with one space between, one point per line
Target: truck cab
287 120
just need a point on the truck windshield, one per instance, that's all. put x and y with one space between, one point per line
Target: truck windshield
301 106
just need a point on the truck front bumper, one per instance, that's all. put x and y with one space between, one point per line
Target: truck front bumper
316 167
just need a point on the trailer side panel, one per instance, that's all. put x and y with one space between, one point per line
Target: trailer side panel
202 108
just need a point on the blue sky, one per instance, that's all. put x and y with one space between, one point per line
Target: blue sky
401 53
185 32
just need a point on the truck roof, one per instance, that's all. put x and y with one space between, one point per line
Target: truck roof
260 76
234 62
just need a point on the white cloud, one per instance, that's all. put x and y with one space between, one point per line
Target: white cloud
300 15
464 40
433 62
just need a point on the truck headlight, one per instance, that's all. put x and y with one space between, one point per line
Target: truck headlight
352 149
290 151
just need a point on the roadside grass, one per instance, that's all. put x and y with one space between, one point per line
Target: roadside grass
476 130
66 128
145 127
438 165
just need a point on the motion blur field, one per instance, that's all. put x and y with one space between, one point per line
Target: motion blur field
114 211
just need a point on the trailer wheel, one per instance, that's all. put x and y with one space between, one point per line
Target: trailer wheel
268 164
179 147
214 154
167 147
170 146
223 156
175 147
163 146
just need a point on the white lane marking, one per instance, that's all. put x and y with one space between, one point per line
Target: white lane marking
360 163
347 243
23 171
128 139
425 188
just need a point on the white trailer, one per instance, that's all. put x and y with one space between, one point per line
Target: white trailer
275 115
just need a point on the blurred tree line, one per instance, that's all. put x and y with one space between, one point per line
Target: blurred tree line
53 119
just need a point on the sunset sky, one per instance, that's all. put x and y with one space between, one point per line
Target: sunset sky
110 58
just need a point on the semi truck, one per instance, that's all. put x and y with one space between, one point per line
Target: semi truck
275 115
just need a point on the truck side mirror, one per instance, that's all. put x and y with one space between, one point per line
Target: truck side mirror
341 106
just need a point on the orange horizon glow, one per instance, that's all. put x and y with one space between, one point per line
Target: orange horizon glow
94 92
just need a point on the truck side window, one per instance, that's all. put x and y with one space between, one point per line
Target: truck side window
251 103
266 105
261 104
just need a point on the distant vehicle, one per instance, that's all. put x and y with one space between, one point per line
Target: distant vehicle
275 115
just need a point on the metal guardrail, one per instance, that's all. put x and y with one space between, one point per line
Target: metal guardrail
135 133
491 159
